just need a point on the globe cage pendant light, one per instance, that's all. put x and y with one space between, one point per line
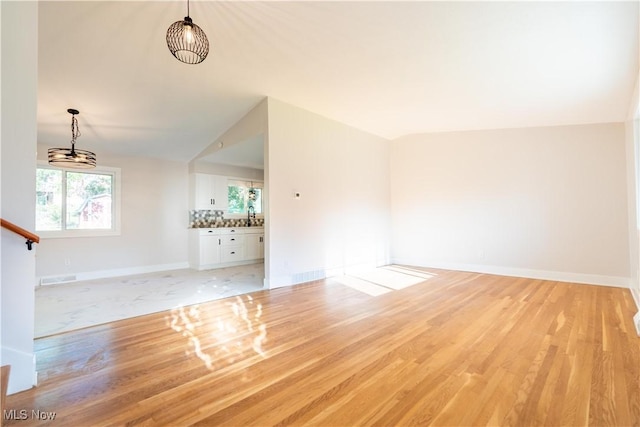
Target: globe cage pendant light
72 158
186 41
252 193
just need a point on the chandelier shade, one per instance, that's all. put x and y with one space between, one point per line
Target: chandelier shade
72 157
186 41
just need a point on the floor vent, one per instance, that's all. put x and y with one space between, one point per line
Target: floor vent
54 280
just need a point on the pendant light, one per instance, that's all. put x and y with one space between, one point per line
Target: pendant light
186 41
252 193
72 158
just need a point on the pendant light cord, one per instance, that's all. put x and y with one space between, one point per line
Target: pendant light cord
187 7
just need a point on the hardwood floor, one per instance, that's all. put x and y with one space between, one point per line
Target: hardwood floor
457 349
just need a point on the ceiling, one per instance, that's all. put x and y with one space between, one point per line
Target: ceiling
387 67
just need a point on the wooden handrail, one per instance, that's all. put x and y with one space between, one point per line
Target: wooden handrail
31 238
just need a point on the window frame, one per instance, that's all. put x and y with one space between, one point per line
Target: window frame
256 184
115 204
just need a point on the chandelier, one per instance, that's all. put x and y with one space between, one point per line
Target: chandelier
186 41
72 158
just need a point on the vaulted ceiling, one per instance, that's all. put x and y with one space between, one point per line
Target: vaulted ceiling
387 67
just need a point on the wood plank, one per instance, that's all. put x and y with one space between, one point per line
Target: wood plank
456 349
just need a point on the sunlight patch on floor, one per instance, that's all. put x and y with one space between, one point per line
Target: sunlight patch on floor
362 285
220 339
382 280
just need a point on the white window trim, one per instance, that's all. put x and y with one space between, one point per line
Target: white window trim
116 206
248 182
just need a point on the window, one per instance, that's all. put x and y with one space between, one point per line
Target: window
77 203
244 194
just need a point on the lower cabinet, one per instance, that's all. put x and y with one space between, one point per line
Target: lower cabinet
232 248
255 246
224 247
209 250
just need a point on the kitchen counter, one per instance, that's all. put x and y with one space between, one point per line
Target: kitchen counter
226 230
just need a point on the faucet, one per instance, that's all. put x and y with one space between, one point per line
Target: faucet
251 213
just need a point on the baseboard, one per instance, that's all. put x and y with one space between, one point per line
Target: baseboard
295 279
309 276
298 278
636 297
559 276
636 319
277 282
23 369
102 274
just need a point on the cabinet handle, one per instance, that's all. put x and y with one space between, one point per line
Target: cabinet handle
232 239
232 231
218 242
213 201
261 240
210 231
232 252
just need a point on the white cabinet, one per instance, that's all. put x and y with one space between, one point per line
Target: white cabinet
255 246
232 247
204 248
209 249
224 247
210 192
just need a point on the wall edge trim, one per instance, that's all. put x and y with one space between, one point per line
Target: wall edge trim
558 276
116 272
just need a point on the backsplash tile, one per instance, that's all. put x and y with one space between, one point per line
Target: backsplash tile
215 219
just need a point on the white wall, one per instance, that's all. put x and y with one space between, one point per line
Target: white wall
341 220
154 225
538 202
19 72
632 141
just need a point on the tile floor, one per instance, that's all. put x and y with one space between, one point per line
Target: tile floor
65 307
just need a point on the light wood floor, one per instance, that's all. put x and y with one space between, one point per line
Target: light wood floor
458 349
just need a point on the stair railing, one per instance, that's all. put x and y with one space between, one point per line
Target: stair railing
31 238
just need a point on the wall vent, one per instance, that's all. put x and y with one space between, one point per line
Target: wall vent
308 276
54 280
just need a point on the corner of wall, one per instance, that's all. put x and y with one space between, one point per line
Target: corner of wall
19 28
23 369
636 297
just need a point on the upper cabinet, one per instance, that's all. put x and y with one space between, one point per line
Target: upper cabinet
211 192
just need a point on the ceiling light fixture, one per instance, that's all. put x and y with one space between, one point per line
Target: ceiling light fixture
186 41
72 158
252 193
